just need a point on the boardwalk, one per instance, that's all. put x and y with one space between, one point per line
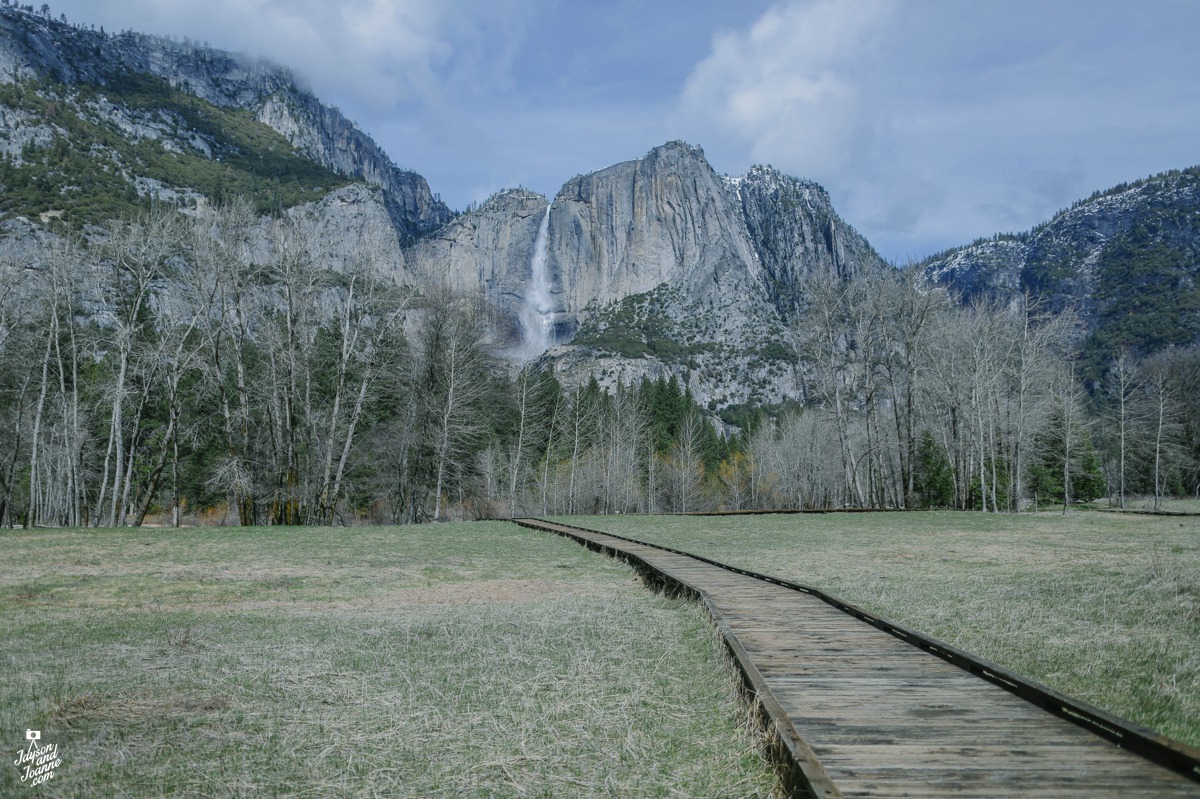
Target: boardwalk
862 713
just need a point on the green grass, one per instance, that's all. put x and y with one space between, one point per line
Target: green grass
1101 606
450 660
1168 504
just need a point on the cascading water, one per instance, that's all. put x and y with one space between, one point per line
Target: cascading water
537 317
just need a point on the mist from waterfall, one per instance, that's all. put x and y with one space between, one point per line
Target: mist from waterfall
537 317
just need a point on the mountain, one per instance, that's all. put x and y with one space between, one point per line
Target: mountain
655 266
156 115
649 267
652 266
1127 260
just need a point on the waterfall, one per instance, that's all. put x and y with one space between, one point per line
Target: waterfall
537 317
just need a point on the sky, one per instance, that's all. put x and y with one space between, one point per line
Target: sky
930 122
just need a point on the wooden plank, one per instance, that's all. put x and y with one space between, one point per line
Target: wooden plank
887 719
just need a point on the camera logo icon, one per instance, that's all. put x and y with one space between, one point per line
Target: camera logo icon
33 735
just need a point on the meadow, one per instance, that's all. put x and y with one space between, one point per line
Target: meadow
1104 607
450 660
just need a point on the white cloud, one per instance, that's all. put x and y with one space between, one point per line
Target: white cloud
933 122
368 54
788 88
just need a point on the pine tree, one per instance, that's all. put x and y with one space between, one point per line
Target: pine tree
1065 473
933 478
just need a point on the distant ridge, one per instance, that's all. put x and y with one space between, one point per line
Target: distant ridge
1126 259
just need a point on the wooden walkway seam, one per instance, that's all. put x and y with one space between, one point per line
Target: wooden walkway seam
854 705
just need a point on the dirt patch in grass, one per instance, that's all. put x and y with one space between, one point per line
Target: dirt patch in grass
90 708
492 591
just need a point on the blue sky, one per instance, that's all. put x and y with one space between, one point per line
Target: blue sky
930 122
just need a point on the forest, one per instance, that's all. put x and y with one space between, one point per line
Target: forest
216 368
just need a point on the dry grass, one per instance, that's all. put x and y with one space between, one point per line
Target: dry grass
1167 504
1104 607
456 660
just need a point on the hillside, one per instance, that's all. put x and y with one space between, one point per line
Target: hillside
82 155
1127 260
150 116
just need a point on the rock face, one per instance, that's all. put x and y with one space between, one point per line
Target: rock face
333 141
352 222
34 46
795 232
664 219
657 266
487 252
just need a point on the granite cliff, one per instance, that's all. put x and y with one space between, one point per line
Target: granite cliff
656 266
41 49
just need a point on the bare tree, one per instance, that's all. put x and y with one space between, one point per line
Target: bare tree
581 431
736 479
1125 385
1068 396
368 316
449 387
176 356
911 309
684 467
1160 399
798 460
19 302
557 405
527 412
622 431
294 256
137 254
228 279
824 340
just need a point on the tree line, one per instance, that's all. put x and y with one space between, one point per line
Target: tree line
217 367
916 400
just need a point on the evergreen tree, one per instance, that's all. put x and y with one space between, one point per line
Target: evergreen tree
933 478
1084 478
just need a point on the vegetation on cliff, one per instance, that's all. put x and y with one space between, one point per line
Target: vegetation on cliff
81 164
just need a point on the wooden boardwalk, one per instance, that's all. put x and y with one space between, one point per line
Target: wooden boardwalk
857 712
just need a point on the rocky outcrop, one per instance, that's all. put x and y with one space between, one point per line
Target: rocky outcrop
333 141
658 266
352 222
661 276
32 45
487 252
796 232
666 218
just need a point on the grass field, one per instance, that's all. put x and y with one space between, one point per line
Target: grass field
450 660
1104 607
1168 504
